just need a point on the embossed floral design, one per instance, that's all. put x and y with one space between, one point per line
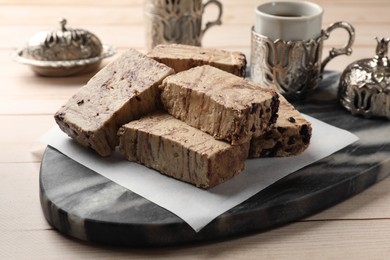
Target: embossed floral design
177 21
365 84
293 66
63 45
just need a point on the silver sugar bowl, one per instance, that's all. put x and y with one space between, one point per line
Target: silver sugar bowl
63 52
365 84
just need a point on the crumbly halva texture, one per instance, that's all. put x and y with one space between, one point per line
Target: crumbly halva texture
124 90
183 57
226 106
172 147
290 136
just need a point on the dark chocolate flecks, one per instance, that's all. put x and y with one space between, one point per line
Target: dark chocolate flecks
268 135
291 119
291 140
253 129
254 107
60 116
272 151
275 108
305 134
281 129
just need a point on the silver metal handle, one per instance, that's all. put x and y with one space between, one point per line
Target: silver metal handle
346 49
217 21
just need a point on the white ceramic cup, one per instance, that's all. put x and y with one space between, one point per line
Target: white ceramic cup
289 20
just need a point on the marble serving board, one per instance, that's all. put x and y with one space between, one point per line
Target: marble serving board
118 216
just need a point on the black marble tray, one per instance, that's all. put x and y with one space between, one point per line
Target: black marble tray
82 204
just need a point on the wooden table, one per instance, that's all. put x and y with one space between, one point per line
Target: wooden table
358 228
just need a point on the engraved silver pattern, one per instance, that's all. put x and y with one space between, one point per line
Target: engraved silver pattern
63 44
293 67
63 52
177 21
365 84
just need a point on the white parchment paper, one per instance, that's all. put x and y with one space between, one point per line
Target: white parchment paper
196 206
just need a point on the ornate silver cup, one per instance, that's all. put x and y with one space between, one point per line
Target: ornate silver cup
294 67
177 21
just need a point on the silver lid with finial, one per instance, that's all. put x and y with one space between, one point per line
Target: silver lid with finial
63 52
365 84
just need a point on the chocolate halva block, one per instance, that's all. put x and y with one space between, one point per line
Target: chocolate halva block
170 146
124 90
226 106
183 57
290 136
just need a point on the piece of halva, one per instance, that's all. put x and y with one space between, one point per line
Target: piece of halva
172 147
124 90
182 57
226 106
